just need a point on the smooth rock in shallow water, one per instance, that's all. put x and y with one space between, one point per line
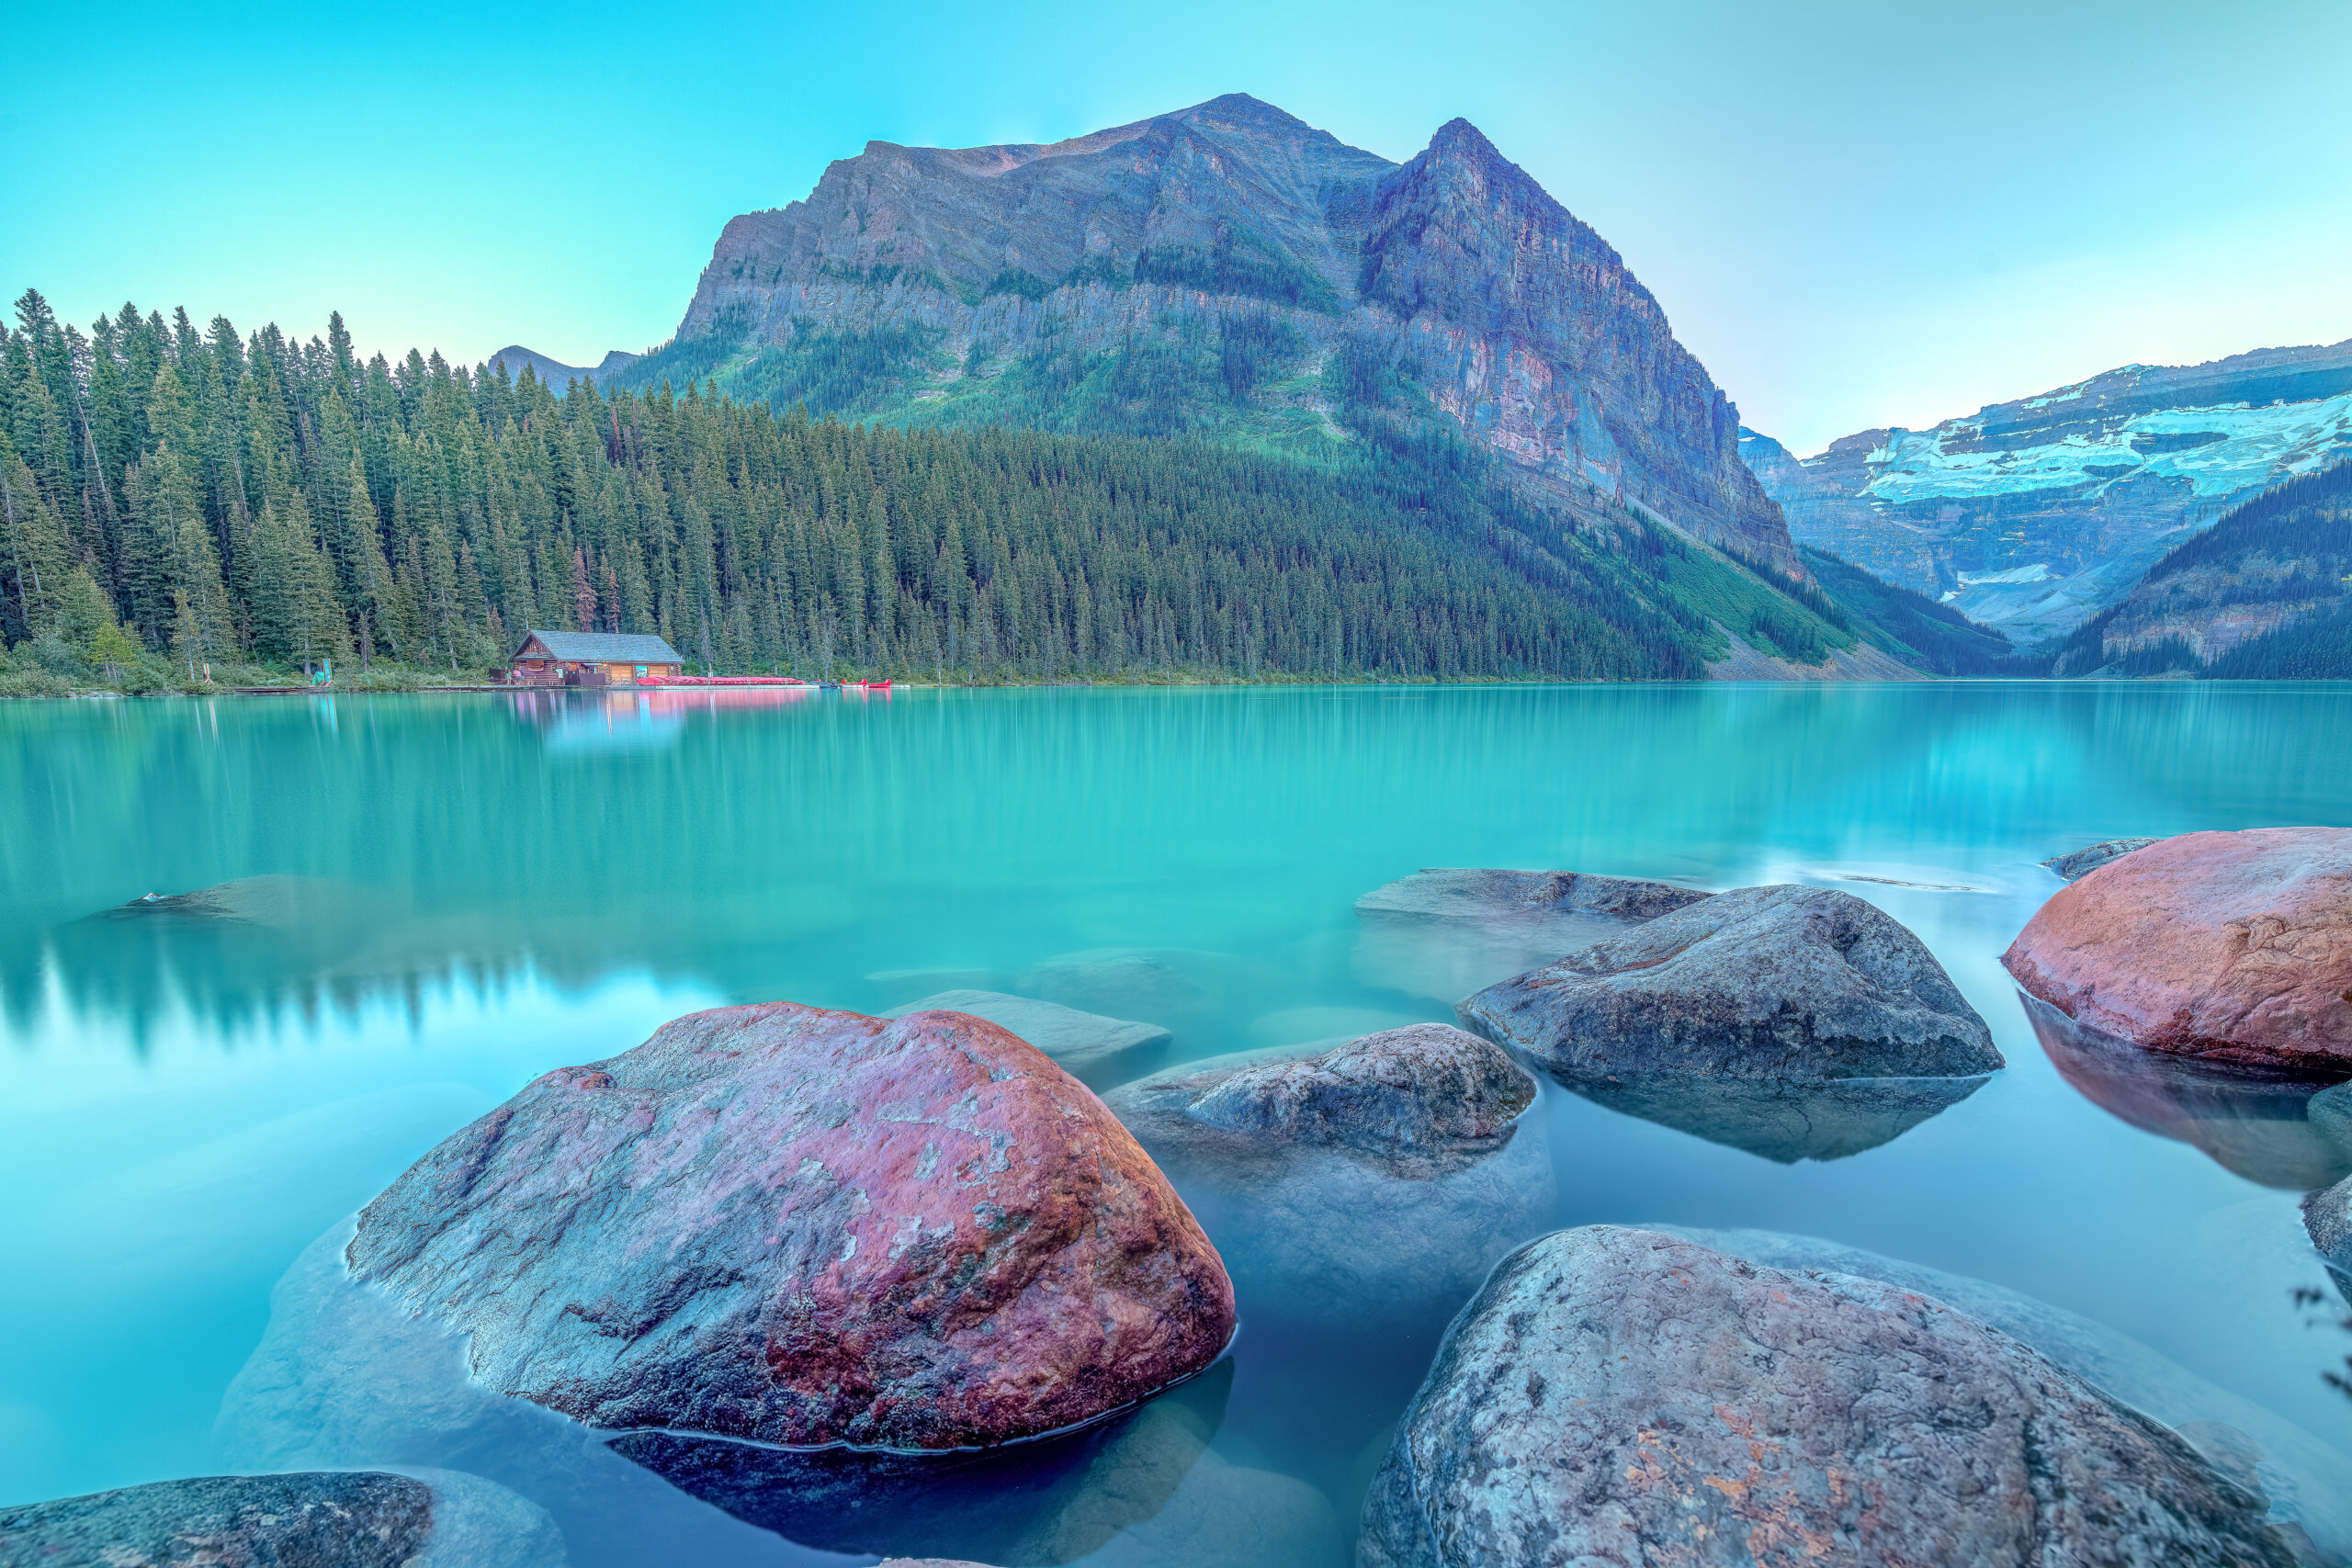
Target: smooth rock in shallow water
2083 862
1819 1119
1362 1188
307 1519
2279 1129
807 1227
899 986
1123 982
2307 1481
2235 947
1616 1395
1455 893
1090 1047
1782 983
1413 1098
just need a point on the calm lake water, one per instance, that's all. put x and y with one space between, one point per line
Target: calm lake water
497 886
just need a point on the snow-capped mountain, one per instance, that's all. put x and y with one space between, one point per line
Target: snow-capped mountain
2034 515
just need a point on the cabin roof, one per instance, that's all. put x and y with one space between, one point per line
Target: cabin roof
603 647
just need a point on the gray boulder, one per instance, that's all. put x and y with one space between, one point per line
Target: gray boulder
1617 1395
1091 1048
2307 1481
1411 1099
306 1519
1453 893
1362 1188
2328 1214
2083 862
1781 983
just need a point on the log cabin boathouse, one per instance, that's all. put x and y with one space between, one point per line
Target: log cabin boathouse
592 658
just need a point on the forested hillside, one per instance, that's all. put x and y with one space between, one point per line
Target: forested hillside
2260 595
177 496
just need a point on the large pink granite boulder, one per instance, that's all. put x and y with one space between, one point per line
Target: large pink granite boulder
2233 947
806 1227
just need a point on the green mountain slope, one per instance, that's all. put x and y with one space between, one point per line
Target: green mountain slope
216 498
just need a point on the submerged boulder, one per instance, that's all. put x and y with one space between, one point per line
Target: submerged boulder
1421 1096
1617 1395
2234 947
1816 1119
2083 862
1087 1046
308 1519
1366 1187
1455 893
806 1227
1782 983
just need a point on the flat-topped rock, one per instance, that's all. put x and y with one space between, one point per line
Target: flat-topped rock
2083 862
1616 1395
1366 1188
1089 1046
1782 983
1456 892
2234 947
306 1519
806 1227
1421 1092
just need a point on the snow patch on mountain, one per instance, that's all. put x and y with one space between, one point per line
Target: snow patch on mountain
2246 443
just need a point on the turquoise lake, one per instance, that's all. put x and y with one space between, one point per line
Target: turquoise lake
494 885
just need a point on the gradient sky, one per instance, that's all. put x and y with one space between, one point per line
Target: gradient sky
1855 214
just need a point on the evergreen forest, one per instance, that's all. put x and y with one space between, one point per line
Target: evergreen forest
186 504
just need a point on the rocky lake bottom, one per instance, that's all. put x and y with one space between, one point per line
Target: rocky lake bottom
413 907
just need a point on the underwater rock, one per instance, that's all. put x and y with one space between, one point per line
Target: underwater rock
2083 862
1028 1504
1451 893
2307 1481
1413 1100
1624 1396
1821 1119
799 1226
1123 982
2280 1129
281 903
1779 983
1090 1047
2232 947
1365 1188
899 986
307 1519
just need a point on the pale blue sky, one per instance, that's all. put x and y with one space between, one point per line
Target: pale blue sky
1855 214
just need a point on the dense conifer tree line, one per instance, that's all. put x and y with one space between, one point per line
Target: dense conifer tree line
197 494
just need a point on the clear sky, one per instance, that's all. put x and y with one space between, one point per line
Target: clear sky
1855 214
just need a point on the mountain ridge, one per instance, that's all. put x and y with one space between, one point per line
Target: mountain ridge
1229 269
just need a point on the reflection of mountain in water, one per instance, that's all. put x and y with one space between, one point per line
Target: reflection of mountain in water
1823 1120
2279 1129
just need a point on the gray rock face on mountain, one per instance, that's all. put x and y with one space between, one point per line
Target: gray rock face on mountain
1091 1048
306 1519
1617 1395
1465 893
1780 983
1520 322
2034 515
2083 862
